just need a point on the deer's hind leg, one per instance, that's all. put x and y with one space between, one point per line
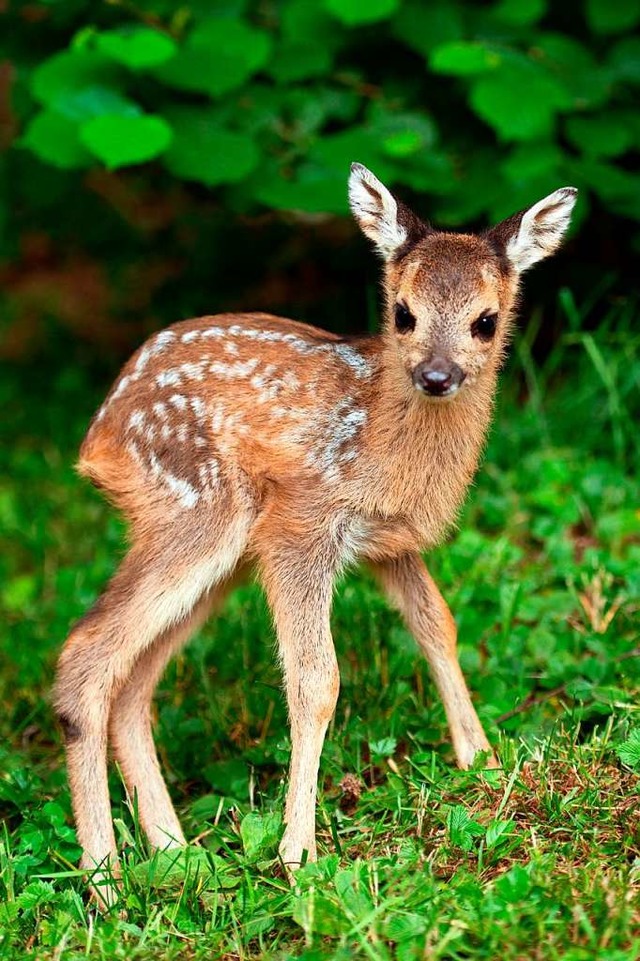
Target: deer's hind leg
130 724
157 586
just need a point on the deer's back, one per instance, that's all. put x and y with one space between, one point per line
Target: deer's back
228 399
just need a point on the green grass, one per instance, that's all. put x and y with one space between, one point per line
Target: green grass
419 860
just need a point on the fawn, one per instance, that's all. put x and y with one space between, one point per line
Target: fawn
247 440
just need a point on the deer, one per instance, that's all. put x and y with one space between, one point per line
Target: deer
242 443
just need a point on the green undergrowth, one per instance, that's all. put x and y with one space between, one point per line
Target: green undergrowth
418 860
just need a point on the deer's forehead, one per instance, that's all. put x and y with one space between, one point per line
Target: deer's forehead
455 269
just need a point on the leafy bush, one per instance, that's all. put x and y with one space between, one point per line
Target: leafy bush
483 108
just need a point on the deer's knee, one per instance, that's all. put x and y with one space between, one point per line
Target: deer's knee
318 690
82 686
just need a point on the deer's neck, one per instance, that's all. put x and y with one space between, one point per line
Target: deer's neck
421 455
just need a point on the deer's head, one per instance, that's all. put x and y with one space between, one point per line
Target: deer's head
450 297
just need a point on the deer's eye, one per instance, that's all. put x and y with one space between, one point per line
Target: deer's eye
484 327
405 321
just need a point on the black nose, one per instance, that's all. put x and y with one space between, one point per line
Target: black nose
437 377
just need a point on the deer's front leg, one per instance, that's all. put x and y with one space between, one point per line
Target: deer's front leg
410 587
299 591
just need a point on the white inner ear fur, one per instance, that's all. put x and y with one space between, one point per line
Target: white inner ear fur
375 210
542 228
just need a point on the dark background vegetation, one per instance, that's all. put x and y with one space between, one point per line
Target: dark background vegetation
160 160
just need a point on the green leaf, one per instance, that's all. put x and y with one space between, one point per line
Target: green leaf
385 747
35 894
425 26
319 183
575 68
462 828
95 101
298 61
203 150
120 140
530 161
612 16
337 151
300 20
259 832
629 750
19 591
403 925
402 143
515 885
497 832
56 140
624 60
618 188
312 189
318 914
219 55
401 134
229 777
604 135
136 47
63 75
520 100
474 191
463 58
520 12
354 12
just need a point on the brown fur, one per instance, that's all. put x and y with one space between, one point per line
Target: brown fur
248 439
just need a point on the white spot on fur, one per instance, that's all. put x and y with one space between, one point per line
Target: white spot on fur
178 401
169 378
187 495
136 421
217 418
121 386
160 410
346 422
155 346
235 369
355 360
193 371
328 439
198 407
259 380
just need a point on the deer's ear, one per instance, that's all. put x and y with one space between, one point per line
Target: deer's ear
389 224
536 233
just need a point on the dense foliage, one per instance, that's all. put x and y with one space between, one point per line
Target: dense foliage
153 152
481 108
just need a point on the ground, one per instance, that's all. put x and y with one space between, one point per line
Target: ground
418 860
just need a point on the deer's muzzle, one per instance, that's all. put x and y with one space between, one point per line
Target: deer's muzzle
438 377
